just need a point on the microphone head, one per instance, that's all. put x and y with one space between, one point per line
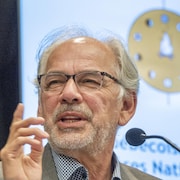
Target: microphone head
135 136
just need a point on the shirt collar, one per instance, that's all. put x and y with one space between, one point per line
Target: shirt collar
116 168
66 166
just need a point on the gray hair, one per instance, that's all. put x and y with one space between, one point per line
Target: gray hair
126 71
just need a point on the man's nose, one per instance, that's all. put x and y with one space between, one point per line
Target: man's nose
70 93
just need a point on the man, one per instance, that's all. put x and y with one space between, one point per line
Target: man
87 89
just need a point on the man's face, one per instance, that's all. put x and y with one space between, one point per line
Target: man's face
77 119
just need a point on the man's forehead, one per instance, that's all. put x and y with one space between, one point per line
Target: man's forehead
79 40
82 39
86 41
84 47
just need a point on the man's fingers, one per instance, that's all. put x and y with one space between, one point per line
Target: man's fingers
22 131
15 149
23 135
37 150
28 122
18 113
33 131
17 127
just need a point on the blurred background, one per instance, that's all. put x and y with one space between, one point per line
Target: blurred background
150 30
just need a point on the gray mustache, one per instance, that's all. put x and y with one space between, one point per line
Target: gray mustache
76 108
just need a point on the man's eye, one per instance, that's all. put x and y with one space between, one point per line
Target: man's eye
54 83
89 82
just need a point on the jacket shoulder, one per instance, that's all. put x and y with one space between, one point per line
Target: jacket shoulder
130 173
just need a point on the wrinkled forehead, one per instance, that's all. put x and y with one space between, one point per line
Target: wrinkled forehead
78 43
86 42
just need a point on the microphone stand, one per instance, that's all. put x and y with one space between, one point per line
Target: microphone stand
144 136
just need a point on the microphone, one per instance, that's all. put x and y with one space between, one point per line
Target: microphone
136 137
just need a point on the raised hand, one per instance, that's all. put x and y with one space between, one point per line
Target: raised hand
16 164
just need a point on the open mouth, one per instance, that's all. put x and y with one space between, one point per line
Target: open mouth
70 119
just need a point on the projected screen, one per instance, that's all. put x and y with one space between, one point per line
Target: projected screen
158 110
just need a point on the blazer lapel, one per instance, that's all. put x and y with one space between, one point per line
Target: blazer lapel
48 166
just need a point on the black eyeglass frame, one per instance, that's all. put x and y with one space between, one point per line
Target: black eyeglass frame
73 76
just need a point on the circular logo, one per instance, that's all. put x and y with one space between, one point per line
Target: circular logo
154 43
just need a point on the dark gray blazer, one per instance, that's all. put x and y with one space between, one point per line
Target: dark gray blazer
127 173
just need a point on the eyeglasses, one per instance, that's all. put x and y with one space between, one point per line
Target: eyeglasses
55 81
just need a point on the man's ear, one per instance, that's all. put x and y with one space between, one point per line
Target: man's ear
128 109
